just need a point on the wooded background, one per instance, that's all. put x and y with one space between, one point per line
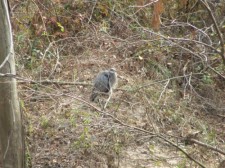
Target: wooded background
168 109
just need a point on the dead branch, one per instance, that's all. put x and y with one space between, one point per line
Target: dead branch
163 91
205 3
194 41
165 80
185 153
207 146
215 71
143 6
47 82
43 82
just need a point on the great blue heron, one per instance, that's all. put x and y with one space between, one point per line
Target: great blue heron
104 84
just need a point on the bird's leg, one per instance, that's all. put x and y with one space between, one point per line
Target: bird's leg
100 102
110 94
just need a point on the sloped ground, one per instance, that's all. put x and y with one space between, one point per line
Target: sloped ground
65 132
64 129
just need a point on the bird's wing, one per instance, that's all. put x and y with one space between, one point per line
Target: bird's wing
102 82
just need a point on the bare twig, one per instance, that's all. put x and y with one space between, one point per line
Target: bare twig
175 43
164 89
222 53
215 71
143 6
44 82
207 146
24 80
195 41
92 11
164 80
57 64
185 153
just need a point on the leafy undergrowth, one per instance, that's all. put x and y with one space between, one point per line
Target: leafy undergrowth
148 120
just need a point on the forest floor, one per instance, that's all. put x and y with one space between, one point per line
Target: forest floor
148 122
65 129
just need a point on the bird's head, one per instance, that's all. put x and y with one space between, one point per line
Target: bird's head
112 69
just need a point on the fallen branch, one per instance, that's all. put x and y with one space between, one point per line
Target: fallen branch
24 80
185 153
207 146
45 82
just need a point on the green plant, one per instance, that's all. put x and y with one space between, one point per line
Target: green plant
28 158
182 164
84 140
44 122
207 79
117 147
211 136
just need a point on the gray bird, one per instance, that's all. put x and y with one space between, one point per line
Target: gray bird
104 84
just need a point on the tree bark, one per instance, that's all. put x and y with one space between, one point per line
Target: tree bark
11 138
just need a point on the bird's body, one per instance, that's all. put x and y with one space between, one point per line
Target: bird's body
104 83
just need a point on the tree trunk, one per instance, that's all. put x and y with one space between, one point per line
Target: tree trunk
11 138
